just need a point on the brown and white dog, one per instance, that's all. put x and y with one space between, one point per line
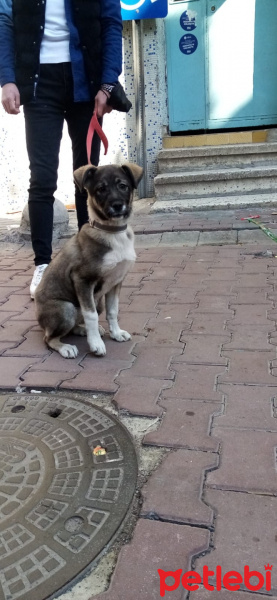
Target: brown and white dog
92 264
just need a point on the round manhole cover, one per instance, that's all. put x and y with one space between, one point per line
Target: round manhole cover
68 473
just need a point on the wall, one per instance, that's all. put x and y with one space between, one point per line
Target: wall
120 128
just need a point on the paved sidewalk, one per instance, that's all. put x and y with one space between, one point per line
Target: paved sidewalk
201 366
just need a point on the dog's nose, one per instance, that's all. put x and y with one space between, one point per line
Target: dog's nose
117 207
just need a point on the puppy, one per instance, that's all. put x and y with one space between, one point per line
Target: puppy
91 266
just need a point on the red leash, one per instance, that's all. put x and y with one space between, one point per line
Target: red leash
95 126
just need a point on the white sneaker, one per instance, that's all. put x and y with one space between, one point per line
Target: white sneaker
37 276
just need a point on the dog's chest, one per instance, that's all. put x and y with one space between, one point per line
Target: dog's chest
117 262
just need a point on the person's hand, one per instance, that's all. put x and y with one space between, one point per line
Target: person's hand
11 98
101 105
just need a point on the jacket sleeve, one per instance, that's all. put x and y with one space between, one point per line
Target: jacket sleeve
111 25
7 74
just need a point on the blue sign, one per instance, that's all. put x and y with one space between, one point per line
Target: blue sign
143 9
188 20
188 43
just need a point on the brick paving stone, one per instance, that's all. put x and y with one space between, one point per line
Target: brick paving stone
174 490
12 371
247 407
6 277
32 345
154 287
134 322
178 313
186 424
218 288
198 267
97 374
252 280
256 266
202 349
248 461
154 361
144 303
208 323
46 379
254 296
154 546
255 314
216 274
197 382
190 280
182 296
160 272
5 292
16 303
140 267
245 533
139 395
133 279
248 367
126 294
28 313
177 260
164 333
217 304
152 255
218 237
247 337
12 331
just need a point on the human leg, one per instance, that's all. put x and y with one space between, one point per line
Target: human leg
78 117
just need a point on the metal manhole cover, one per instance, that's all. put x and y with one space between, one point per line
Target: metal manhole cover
60 501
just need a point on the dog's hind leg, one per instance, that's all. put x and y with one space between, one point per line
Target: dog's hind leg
112 301
58 323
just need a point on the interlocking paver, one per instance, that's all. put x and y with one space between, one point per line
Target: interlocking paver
163 333
174 490
248 367
245 533
154 546
248 337
202 349
208 323
139 395
254 296
248 461
243 316
185 424
247 407
154 361
195 382
12 370
217 304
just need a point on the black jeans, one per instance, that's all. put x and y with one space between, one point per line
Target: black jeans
44 118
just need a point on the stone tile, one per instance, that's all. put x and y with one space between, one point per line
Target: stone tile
13 332
248 367
12 371
252 280
176 312
152 255
186 424
28 312
154 546
196 382
155 288
188 238
5 293
214 304
46 379
255 314
247 407
190 280
181 475
154 361
126 294
133 322
144 303
248 461
247 337
139 395
5 316
183 296
98 374
251 296
224 274
208 323
218 288
163 333
202 349
133 279
245 533
32 345
163 273
198 267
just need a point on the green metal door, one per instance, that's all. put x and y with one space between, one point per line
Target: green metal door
229 79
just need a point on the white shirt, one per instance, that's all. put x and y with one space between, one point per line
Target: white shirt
55 42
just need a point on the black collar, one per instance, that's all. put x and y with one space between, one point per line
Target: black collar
108 228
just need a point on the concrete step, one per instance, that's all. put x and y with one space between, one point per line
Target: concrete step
215 202
210 157
216 182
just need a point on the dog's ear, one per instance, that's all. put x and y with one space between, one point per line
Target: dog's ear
83 175
134 173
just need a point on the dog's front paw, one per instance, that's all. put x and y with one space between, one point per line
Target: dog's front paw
68 351
120 335
98 347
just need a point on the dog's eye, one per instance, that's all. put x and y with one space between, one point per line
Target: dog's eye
101 189
123 186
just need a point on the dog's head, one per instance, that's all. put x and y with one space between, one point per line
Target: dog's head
110 188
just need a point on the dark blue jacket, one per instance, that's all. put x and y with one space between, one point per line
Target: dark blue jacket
95 44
